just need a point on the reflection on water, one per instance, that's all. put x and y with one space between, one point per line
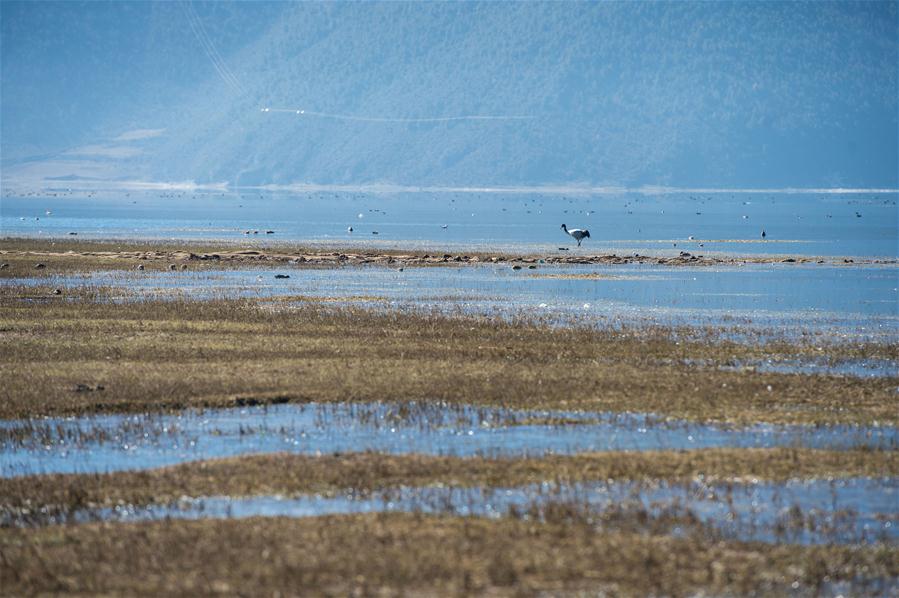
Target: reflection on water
847 511
120 442
798 224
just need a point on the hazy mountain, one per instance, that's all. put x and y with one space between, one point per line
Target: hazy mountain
710 94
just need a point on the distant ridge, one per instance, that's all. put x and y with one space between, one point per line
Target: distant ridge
736 97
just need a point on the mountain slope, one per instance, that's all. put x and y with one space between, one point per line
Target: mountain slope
757 94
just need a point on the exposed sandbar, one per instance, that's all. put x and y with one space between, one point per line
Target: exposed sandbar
66 256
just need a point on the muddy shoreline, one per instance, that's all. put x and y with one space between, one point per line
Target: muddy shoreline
112 252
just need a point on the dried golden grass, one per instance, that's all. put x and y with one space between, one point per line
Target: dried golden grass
172 354
393 554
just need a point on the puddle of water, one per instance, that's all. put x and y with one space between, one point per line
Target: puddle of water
847 511
119 442
856 303
859 368
856 368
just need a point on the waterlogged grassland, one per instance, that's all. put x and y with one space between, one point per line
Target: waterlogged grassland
417 554
283 474
86 351
156 355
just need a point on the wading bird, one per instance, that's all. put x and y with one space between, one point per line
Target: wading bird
576 234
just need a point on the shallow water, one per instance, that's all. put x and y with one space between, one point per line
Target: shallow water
859 368
847 511
842 303
122 442
796 224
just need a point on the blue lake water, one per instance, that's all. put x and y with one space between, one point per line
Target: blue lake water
796 224
119 442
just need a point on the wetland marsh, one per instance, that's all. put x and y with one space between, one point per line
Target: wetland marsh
463 399
449 299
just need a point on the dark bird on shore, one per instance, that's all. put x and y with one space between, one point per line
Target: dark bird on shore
576 234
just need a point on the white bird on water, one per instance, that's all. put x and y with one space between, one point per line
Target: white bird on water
576 234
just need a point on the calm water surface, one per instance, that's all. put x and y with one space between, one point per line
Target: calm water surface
795 224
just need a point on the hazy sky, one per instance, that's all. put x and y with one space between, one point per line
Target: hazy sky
685 94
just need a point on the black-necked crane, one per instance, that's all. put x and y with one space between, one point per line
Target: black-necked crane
576 234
